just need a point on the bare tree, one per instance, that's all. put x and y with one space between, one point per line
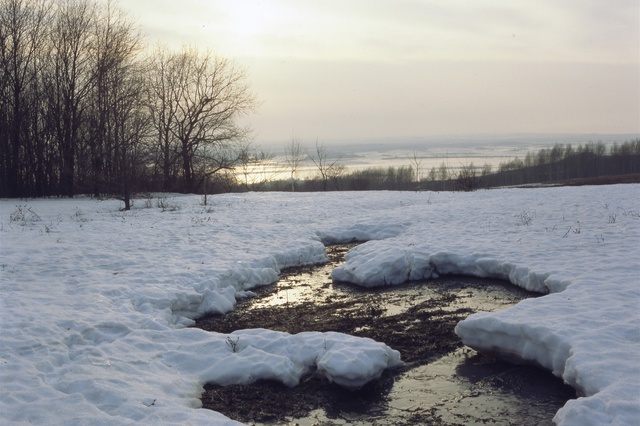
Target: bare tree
486 170
324 162
433 174
23 25
444 174
335 174
294 158
416 163
217 164
70 82
257 168
467 178
443 171
118 120
196 99
162 102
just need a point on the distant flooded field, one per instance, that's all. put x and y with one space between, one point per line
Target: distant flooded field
454 152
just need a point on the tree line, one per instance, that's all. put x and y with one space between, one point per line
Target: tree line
85 108
558 163
565 163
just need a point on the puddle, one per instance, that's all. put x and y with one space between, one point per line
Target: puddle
314 284
466 387
443 382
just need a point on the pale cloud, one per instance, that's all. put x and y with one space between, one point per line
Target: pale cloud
338 100
399 30
365 68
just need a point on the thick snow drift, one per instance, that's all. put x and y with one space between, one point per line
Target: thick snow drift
95 301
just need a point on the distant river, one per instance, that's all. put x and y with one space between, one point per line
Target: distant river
453 151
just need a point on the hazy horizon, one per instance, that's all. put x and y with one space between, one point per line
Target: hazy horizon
536 140
454 150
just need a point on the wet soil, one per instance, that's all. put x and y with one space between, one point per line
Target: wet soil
442 383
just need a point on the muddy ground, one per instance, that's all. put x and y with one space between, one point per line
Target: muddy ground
418 324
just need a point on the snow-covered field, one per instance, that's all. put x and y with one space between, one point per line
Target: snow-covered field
94 301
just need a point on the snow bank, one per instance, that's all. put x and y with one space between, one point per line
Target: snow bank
581 245
95 302
259 354
373 267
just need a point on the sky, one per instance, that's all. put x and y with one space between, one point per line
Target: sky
360 70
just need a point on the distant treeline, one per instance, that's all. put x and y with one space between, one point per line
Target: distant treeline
563 162
559 163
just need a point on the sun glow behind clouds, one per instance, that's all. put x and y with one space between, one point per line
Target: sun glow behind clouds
250 19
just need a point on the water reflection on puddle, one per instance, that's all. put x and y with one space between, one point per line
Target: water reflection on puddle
470 388
315 285
461 388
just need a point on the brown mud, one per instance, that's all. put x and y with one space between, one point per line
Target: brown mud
442 383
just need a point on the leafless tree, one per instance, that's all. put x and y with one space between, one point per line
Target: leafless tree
23 25
196 100
294 158
257 168
443 171
444 174
335 174
433 174
118 121
467 178
70 82
161 74
324 162
217 164
416 163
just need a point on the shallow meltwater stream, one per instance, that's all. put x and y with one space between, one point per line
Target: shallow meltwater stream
443 382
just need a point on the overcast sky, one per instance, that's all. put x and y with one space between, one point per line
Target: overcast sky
363 69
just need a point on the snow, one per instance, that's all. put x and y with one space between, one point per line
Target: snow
95 303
